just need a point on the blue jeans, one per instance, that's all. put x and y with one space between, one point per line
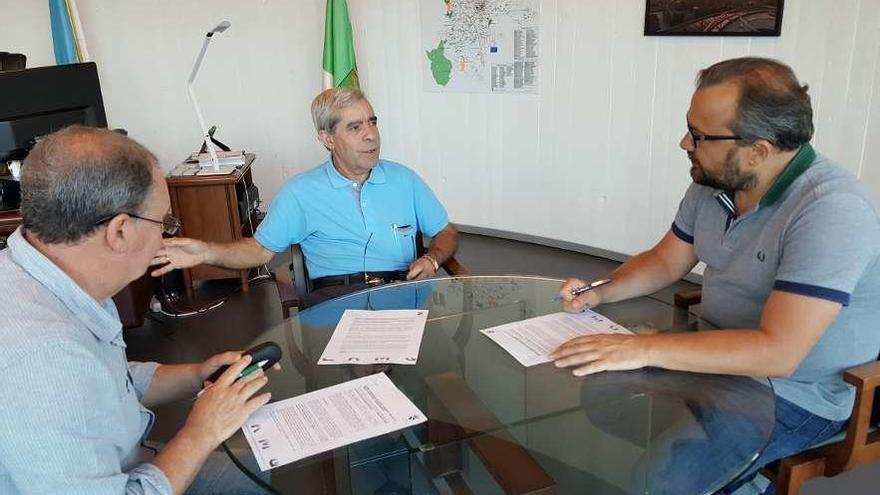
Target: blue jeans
796 430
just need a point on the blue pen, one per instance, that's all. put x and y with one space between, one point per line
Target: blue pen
586 288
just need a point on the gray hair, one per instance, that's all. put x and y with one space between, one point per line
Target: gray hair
326 106
772 104
77 177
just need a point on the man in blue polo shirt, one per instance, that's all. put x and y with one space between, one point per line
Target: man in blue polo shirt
791 243
355 216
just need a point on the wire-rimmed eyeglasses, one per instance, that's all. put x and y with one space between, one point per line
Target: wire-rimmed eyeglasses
697 137
170 224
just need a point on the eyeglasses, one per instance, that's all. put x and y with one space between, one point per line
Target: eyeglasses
697 137
170 224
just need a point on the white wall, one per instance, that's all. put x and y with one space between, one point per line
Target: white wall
24 28
593 159
255 84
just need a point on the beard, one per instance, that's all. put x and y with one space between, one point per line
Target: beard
730 178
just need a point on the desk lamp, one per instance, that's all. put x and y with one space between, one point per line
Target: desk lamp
223 26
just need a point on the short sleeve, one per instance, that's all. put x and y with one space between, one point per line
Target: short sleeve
686 217
285 222
142 376
430 213
828 247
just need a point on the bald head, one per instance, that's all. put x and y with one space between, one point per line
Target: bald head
76 177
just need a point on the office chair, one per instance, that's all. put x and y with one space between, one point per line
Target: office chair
12 61
859 444
292 292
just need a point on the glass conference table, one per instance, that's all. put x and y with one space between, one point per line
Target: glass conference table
497 427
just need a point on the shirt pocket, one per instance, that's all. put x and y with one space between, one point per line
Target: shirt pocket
404 235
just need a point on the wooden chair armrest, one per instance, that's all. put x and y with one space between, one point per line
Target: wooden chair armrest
453 267
686 298
864 376
861 444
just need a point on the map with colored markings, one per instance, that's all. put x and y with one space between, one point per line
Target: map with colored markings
480 46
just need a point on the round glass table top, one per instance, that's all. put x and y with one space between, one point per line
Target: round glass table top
495 426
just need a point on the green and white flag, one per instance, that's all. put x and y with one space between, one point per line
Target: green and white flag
339 65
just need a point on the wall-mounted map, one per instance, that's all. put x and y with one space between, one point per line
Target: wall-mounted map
480 46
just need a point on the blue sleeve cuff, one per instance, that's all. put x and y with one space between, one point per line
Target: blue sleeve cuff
682 234
142 376
813 291
148 479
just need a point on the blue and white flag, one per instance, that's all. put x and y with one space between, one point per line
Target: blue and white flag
67 33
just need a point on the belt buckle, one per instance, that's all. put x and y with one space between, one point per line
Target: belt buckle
373 281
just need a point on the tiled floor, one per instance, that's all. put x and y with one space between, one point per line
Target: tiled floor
245 315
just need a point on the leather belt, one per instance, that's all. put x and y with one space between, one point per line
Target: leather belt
370 278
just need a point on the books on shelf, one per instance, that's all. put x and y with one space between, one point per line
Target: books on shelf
224 158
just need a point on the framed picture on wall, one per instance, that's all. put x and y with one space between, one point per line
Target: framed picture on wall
713 17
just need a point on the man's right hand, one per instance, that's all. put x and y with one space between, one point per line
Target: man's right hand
179 252
224 406
577 304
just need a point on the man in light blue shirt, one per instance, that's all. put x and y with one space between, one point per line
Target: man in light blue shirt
354 215
74 416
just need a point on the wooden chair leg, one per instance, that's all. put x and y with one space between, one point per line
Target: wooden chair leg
686 298
794 471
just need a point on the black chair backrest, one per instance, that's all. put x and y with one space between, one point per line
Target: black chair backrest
12 61
299 274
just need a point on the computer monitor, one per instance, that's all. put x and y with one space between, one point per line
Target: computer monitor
42 100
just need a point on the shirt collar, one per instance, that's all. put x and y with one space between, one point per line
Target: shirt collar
725 199
100 317
797 166
338 181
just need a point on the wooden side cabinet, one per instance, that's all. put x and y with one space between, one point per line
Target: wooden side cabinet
208 209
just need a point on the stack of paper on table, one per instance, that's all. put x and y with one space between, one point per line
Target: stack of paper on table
296 428
376 337
531 341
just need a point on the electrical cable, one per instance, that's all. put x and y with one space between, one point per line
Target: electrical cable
188 311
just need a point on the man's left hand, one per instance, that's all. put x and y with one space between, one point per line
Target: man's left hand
214 363
420 269
594 353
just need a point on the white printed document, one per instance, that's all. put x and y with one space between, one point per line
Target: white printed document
296 428
531 341
373 337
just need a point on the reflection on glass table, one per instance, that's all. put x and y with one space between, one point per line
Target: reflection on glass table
497 427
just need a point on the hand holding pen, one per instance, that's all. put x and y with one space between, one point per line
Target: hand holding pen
574 288
224 405
262 357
